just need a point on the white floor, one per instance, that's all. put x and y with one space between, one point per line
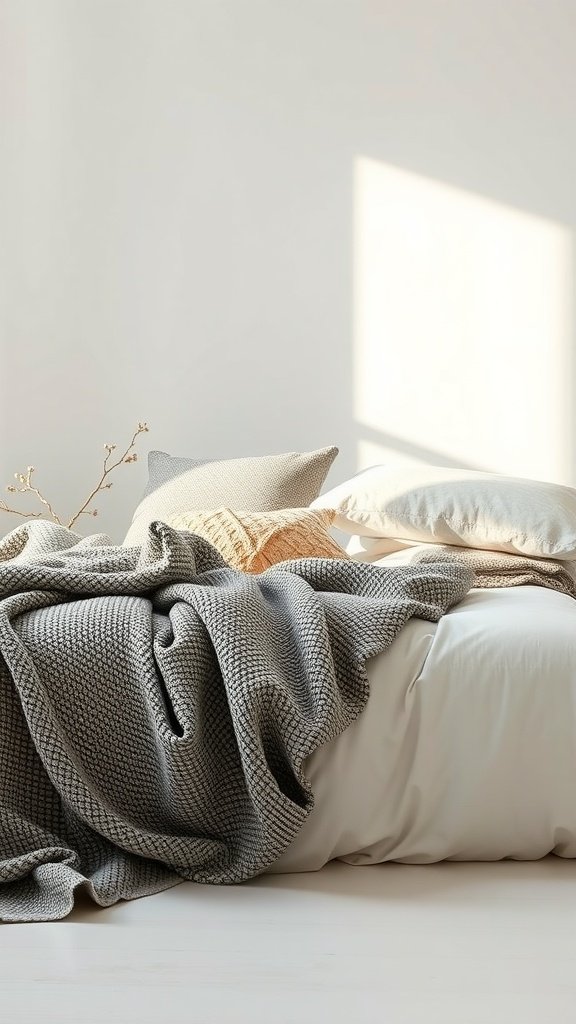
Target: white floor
439 944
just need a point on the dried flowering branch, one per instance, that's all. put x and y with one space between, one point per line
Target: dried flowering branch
128 456
28 487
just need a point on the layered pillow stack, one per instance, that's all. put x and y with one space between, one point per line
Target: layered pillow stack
259 484
253 541
388 508
255 510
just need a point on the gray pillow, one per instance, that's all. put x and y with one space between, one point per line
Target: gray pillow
258 484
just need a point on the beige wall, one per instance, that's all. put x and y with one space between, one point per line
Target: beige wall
187 236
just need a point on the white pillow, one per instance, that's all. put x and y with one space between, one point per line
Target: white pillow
410 504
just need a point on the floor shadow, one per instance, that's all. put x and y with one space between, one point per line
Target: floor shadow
385 883
421 882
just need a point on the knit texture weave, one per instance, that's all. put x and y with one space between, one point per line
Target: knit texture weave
157 707
253 541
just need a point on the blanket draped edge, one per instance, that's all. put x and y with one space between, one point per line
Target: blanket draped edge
157 707
494 569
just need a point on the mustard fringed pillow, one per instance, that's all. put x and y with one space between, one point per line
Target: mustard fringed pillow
253 541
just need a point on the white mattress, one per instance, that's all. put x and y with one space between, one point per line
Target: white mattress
467 747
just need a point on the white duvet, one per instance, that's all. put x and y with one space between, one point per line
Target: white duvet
467 747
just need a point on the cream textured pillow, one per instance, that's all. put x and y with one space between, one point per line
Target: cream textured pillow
258 484
430 504
253 541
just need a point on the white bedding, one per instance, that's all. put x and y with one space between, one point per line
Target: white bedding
467 748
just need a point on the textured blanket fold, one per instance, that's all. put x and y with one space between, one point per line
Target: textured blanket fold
494 568
157 707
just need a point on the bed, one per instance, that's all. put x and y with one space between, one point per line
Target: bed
467 747
245 738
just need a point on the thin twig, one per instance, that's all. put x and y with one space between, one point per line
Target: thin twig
106 470
25 515
28 487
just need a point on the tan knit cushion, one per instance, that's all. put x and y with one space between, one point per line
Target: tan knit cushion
253 541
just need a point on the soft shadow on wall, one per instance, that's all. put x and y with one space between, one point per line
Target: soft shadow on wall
463 329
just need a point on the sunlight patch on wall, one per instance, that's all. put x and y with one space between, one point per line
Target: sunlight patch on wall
370 453
462 328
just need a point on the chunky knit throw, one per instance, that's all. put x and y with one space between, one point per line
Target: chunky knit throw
157 707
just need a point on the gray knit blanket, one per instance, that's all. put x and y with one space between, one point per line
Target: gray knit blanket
157 707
